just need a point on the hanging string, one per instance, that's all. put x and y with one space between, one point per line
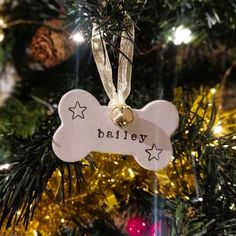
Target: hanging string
119 95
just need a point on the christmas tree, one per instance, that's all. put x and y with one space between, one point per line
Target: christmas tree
184 52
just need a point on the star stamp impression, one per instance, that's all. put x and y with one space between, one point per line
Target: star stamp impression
77 110
153 152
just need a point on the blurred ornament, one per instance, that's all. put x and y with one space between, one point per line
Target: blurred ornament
2 26
1 35
2 23
226 122
8 78
229 97
51 44
137 226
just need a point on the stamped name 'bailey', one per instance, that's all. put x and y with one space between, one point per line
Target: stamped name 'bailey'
121 135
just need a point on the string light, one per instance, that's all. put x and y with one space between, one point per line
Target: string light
194 153
35 233
232 206
181 35
213 90
200 199
218 129
78 37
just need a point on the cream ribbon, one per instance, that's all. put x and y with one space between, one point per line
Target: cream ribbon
117 97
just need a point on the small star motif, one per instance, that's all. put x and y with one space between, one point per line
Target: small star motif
77 110
154 152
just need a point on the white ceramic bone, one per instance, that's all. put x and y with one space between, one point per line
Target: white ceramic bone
87 126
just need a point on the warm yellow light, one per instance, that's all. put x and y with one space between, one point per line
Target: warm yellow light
218 129
232 206
193 153
186 197
213 90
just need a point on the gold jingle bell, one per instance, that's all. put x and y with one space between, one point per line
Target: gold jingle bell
122 115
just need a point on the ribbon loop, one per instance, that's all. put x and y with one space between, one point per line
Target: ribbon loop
125 64
102 61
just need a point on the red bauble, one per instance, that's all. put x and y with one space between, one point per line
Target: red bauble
137 227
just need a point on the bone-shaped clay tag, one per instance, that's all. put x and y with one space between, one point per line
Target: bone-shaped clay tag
86 126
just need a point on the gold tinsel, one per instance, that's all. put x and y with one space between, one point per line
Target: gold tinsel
113 174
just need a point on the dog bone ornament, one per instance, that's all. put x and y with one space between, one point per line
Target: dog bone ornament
86 126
